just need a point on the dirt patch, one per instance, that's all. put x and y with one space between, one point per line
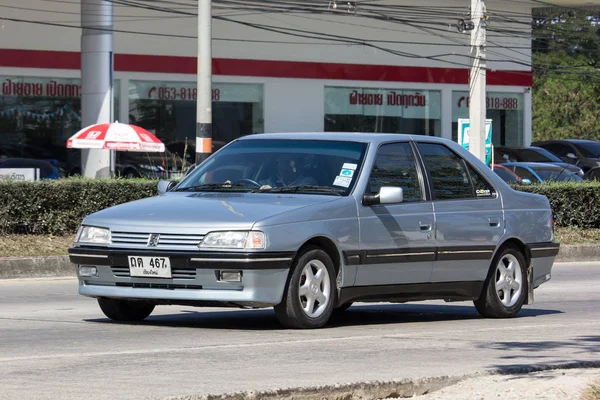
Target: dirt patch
571 384
592 392
34 245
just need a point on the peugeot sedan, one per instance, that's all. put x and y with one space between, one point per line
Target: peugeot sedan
309 223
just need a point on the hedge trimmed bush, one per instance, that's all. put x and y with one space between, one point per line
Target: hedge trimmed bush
574 204
58 207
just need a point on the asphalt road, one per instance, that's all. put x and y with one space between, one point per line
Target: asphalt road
55 344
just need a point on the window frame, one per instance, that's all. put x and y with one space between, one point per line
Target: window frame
466 165
423 183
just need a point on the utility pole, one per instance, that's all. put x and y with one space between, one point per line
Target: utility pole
477 81
96 80
204 76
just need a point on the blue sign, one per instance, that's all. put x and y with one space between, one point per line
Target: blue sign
463 137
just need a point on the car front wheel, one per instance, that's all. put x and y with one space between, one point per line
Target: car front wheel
309 296
506 287
125 310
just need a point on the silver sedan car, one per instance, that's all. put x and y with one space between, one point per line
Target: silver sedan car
309 223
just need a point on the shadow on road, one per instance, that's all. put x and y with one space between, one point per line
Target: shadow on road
580 349
264 319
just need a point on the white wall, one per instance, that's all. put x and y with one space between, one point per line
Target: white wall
294 105
17 35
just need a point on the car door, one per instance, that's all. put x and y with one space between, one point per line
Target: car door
468 214
396 240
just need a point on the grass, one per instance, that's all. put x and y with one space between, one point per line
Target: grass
48 245
578 236
592 393
34 245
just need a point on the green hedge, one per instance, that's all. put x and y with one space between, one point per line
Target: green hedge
58 207
574 204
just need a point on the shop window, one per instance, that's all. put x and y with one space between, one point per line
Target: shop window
38 115
415 112
504 109
168 109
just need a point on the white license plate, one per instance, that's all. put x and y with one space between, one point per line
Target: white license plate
149 267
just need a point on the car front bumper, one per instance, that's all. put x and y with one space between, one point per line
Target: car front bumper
196 277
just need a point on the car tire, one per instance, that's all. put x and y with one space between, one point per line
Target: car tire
131 174
505 288
311 279
124 310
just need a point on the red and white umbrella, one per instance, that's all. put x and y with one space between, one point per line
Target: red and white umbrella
116 136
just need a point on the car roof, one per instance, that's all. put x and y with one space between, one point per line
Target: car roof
566 140
363 137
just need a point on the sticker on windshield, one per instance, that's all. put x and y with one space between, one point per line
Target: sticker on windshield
343 181
349 166
347 172
483 192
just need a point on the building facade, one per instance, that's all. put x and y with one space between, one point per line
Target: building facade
329 71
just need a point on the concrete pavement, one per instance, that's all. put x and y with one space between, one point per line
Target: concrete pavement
57 344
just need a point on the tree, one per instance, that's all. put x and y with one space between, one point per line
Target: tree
566 86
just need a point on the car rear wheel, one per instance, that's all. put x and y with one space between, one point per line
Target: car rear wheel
506 287
125 310
309 296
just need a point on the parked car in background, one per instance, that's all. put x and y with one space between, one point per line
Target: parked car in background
507 174
308 223
47 170
542 172
132 164
592 174
583 153
504 154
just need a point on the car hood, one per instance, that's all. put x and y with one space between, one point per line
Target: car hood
570 167
200 212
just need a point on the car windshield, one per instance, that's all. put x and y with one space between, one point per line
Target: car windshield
589 149
280 165
538 155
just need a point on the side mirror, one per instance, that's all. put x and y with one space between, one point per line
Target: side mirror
386 195
571 156
526 181
165 185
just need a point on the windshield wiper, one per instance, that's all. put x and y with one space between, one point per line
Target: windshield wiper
306 189
212 187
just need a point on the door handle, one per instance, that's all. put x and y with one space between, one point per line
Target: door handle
494 222
425 227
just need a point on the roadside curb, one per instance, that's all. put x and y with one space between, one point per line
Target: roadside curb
60 266
36 267
376 390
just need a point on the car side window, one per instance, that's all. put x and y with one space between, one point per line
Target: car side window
447 171
481 186
558 149
395 165
525 173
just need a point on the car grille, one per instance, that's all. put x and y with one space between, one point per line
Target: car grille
158 285
165 241
176 273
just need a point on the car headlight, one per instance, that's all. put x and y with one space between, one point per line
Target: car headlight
234 240
93 234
